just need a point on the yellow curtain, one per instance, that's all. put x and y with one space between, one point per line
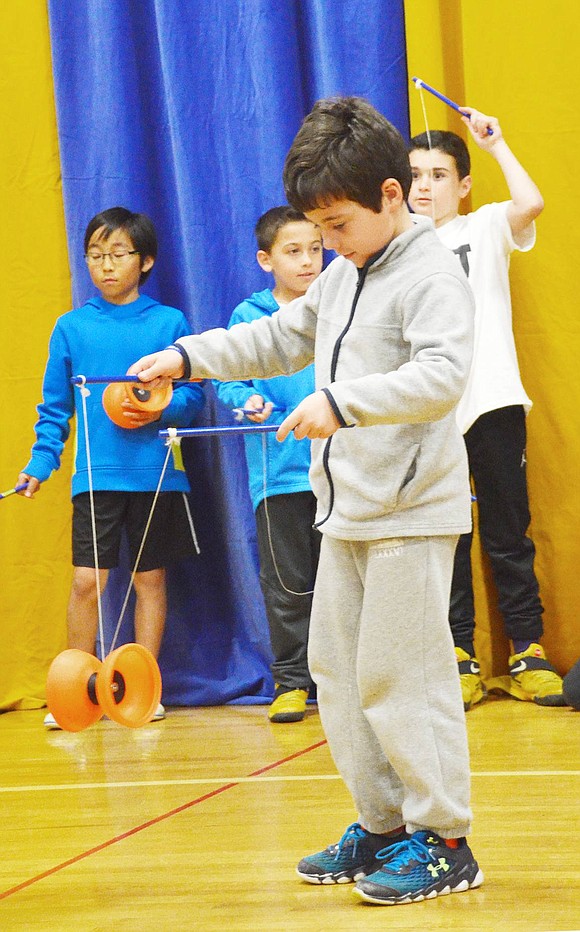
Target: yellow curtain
519 61
34 290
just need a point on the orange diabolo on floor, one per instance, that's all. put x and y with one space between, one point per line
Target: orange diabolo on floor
126 687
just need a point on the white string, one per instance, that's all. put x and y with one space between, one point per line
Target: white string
84 393
419 87
422 96
190 521
173 439
145 532
268 528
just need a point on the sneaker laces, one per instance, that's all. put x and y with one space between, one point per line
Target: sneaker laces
402 853
352 835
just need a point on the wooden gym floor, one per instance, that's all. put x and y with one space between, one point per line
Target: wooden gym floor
198 822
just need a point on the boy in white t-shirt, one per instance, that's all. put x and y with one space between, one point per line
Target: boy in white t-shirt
491 413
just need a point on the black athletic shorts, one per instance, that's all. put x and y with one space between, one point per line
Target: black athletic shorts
169 537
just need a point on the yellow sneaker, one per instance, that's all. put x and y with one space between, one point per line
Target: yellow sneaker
534 679
289 706
472 688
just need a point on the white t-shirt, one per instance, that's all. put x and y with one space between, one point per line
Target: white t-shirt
483 242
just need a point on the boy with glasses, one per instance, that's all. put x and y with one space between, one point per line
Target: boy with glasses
100 338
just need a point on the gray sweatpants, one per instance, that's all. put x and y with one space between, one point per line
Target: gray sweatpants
381 654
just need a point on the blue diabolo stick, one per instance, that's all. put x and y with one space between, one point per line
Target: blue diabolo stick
17 488
98 379
211 431
450 103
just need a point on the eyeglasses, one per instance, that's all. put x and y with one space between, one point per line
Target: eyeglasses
119 255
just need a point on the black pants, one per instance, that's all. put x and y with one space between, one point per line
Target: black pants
496 448
295 545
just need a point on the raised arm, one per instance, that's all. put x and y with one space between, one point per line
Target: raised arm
526 200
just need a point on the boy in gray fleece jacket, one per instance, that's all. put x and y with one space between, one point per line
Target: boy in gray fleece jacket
389 326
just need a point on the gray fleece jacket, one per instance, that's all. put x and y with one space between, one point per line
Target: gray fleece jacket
392 346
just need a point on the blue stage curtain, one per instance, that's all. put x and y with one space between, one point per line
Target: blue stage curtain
185 110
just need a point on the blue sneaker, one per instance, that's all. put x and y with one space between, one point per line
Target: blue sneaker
420 868
354 856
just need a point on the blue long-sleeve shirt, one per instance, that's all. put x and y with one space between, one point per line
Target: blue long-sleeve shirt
99 339
288 463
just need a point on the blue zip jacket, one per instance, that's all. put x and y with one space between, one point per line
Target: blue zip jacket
100 339
287 463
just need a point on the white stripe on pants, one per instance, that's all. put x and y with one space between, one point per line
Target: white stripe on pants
381 654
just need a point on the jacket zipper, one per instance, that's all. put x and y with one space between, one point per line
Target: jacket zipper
362 274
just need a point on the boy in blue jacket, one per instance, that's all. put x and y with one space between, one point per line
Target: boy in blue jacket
290 248
100 338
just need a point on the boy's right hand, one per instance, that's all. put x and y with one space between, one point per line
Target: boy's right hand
168 363
32 485
478 125
313 418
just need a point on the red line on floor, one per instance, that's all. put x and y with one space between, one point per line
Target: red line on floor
155 821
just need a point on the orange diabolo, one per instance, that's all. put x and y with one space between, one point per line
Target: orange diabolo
126 687
139 396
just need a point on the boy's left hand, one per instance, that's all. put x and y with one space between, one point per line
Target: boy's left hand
478 125
313 418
